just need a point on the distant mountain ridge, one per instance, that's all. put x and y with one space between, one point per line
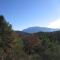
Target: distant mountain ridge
38 29
21 33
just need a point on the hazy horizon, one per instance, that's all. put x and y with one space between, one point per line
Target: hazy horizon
36 28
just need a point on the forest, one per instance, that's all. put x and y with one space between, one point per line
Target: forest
18 45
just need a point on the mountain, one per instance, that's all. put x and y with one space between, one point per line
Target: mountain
38 29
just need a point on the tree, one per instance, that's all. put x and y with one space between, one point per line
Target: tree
7 36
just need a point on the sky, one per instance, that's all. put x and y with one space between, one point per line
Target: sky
27 13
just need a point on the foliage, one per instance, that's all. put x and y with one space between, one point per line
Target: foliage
7 38
37 46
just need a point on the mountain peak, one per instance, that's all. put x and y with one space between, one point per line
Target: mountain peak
38 29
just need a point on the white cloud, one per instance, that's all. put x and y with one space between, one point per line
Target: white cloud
54 24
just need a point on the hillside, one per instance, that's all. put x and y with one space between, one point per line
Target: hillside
21 33
19 45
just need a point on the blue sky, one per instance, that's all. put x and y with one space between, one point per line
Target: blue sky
27 13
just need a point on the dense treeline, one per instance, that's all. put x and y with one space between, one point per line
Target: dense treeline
37 46
50 45
9 41
53 36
